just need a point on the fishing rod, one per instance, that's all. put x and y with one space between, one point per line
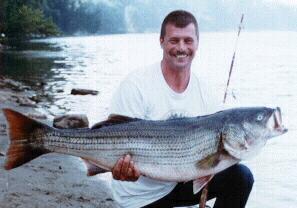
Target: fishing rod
233 58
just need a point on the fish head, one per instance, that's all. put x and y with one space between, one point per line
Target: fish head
249 130
263 123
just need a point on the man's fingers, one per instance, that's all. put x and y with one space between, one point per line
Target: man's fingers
136 171
125 167
116 171
133 172
130 174
125 170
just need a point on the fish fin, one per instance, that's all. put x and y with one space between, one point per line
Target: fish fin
114 119
21 134
199 183
92 168
209 162
235 141
214 159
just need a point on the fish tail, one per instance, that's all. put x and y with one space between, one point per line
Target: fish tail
24 146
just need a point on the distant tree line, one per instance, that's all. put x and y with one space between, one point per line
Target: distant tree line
25 19
85 16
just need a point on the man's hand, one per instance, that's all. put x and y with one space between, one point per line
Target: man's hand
125 170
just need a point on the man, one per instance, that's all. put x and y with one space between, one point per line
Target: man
165 90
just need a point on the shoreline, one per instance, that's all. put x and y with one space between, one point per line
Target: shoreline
52 180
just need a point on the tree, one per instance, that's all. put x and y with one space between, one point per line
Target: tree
24 22
2 6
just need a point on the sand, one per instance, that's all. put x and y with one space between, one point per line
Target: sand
49 181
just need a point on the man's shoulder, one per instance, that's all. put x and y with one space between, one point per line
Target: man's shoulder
132 93
211 93
202 81
143 74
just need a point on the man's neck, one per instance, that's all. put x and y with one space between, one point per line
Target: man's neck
177 79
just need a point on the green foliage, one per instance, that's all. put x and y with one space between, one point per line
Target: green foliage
86 16
23 19
1 17
25 22
73 16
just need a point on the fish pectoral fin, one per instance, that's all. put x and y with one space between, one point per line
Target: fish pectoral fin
199 183
235 141
114 119
209 162
93 169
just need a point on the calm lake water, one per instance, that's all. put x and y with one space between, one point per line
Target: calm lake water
265 73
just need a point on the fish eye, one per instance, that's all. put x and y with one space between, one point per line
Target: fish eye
260 117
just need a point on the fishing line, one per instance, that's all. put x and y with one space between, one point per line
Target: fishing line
233 58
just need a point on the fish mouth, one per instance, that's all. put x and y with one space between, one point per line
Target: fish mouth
275 121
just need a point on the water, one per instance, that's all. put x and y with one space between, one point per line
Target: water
264 74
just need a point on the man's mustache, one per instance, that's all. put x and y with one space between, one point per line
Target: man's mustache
181 53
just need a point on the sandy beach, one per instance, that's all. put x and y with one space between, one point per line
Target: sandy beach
49 181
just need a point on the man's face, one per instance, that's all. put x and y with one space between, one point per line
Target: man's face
179 46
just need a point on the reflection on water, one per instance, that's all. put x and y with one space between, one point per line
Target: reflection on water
55 66
31 63
265 61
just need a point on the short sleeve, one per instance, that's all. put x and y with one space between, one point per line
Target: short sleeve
211 98
128 101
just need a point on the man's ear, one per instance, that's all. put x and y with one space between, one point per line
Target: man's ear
161 42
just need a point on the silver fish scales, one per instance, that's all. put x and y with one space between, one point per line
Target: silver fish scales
178 150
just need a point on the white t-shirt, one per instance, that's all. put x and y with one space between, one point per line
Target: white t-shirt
145 94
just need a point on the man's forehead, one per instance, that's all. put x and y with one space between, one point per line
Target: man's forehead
172 30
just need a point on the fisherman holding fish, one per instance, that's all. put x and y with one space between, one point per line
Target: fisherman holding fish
175 142
167 90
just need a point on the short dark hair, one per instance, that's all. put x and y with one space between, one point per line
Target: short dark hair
179 18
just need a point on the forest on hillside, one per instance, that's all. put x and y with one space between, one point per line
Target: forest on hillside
26 19
23 19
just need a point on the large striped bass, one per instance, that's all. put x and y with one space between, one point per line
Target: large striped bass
178 150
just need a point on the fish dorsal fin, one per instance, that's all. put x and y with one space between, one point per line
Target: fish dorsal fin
92 168
114 119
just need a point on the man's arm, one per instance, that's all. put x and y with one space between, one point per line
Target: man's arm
127 101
